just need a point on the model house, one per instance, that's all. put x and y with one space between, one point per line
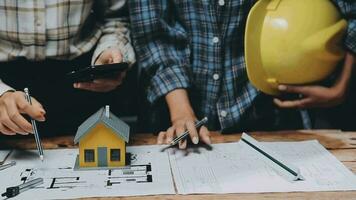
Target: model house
102 141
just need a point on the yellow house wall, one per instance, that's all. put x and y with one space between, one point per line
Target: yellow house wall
101 136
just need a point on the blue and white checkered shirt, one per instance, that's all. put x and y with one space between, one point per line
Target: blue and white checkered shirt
196 45
348 10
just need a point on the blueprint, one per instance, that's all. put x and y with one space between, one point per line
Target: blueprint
148 174
221 168
237 168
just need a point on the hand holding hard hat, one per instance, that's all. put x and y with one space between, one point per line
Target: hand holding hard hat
293 42
319 96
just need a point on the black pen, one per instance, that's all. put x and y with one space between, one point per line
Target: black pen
34 127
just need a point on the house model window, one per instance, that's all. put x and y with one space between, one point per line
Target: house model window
115 155
89 155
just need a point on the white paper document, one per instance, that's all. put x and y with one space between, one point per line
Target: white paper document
224 168
237 168
148 174
273 159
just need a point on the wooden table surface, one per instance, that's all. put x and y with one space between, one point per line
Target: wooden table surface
341 144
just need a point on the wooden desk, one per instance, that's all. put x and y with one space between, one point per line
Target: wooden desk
341 144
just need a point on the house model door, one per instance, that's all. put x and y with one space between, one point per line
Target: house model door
102 157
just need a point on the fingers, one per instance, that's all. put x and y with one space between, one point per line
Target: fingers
96 87
109 56
300 103
116 57
170 135
204 134
295 89
101 85
35 111
11 107
14 120
192 132
306 91
165 137
161 136
6 131
180 129
37 104
12 128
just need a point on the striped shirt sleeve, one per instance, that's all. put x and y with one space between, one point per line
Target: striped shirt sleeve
116 33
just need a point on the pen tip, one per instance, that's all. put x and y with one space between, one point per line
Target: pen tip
41 157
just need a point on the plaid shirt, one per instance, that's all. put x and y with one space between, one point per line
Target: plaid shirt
198 45
62 29
348 10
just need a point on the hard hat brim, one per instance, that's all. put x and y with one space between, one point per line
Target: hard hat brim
255 71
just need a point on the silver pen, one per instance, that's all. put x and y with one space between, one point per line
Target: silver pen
34 126
16 190
5 166
186 133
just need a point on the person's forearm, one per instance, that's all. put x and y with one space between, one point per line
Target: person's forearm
178 104
345 76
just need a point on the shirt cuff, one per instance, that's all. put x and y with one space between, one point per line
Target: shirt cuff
4 88
167 80
350 41
128 54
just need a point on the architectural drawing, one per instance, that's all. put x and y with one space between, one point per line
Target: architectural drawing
130 174
65 183
148 174
223 168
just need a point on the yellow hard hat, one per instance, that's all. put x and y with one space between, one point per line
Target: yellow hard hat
292 42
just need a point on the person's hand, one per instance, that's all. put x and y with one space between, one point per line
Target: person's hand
182 118
311 96
179 126
108 56
12 105
319 96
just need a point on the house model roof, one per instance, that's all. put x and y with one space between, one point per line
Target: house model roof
118 126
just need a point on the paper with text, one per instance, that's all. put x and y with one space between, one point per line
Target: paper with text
236 168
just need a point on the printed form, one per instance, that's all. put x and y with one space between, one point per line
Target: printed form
237 168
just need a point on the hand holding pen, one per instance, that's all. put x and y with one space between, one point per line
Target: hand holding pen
12 105
194 130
